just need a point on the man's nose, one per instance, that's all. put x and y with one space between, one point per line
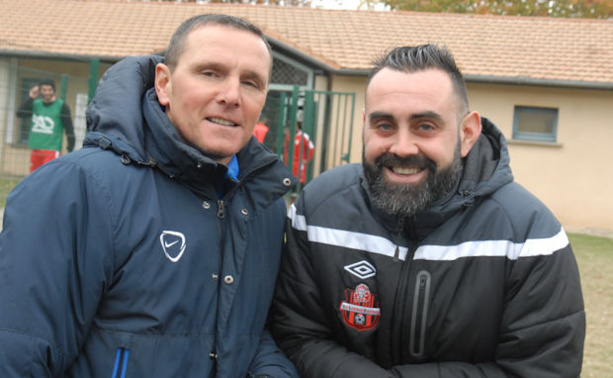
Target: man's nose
404 144
230 92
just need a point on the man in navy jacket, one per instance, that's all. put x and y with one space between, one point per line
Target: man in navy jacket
154 250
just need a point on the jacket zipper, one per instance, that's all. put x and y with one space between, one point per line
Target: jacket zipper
397 315
121 363
419 314
221 210
221 214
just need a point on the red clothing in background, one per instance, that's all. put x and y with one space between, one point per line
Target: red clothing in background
260 130
305 147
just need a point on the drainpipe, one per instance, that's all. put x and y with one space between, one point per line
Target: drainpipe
64 86
94 65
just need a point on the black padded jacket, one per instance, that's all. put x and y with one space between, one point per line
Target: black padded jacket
482 284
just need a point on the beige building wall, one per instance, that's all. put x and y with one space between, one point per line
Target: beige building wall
574 177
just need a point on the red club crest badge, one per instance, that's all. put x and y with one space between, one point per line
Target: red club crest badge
360 308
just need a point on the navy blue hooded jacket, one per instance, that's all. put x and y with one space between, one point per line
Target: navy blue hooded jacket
121 259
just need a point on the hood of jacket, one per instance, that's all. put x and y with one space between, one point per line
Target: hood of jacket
126 118
485 169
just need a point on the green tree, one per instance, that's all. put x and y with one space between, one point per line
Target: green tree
553 8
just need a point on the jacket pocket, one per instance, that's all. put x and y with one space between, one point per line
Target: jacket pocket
419 316
121 363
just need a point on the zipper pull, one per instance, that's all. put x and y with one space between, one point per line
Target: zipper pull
398 236
221 211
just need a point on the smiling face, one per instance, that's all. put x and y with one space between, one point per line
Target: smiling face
414 138
47 92
217 90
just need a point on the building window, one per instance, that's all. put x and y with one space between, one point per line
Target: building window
537 124
286 73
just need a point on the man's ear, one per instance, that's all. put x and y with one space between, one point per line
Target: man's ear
163 83
470 129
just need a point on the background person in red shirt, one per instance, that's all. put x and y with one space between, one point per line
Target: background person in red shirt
303 152
261 130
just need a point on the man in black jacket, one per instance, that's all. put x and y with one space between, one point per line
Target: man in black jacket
427 260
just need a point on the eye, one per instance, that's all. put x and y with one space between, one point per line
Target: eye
209 74
425 127
254 81
251 83
385 126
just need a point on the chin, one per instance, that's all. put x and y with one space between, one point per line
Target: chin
219 155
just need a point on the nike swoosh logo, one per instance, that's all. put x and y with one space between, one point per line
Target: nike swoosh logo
172 240
168 245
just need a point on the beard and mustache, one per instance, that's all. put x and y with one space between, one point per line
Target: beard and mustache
409 199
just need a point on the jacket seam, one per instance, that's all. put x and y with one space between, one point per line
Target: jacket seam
514 331
65 356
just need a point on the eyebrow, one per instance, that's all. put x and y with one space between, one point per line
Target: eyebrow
255 76
380 115
249 74
430 115
427 115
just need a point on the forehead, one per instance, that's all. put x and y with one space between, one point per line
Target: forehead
218 42
46 86
426 88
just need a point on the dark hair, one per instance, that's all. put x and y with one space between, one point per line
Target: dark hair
47 81
422 57
177 41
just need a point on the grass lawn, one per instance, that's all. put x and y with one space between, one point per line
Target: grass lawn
6 185
595 259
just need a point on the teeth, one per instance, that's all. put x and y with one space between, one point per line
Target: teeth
405 170
221 121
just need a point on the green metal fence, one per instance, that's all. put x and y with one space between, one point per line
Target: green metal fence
326 117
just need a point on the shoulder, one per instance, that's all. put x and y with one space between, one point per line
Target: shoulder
334 180
332 188
67 185
84 165
527 215
100 171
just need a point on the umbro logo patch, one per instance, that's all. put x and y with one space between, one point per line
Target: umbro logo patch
173 244
361 269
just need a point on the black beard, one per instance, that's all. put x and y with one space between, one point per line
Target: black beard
408 200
